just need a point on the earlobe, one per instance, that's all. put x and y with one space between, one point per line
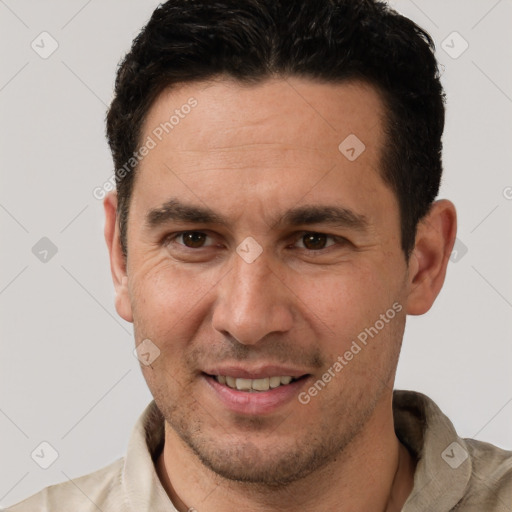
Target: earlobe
435 238
117 258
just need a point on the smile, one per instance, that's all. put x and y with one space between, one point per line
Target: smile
254 385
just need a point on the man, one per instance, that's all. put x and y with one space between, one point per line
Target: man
277 165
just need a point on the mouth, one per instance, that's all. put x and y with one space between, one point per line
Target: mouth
258 390
260 385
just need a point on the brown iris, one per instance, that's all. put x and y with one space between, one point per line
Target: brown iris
193 239
314 241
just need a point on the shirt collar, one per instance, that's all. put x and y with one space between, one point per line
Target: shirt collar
444 467
141 485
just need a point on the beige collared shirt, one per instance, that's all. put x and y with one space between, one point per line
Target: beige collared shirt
451 473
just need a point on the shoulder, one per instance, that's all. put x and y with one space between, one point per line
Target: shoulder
452 473
490 484
98 490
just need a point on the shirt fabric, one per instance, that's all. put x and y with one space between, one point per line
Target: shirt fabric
452 474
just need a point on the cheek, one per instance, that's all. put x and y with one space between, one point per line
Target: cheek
358 319
345 296
167 300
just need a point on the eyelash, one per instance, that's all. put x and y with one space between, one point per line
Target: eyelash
338 239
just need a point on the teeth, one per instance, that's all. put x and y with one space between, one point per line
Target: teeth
254 384
261 384
243 384
274 382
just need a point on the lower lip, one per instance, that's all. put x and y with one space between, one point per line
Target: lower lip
257 403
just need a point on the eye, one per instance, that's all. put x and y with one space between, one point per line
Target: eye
312 241
189 239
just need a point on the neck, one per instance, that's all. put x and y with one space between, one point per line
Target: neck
374 473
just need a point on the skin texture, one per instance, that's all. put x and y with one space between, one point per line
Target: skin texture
250 153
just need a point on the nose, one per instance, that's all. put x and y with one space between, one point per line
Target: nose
252 302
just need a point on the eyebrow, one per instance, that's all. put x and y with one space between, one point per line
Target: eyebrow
332 215
177 211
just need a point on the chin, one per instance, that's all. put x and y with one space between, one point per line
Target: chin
246 463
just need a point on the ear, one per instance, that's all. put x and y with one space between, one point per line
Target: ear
117 259
435 238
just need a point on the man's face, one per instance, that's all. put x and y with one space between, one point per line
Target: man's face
266 285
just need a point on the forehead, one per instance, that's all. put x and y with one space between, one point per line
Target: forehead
270 143
304 114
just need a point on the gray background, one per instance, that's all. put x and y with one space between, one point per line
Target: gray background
68 375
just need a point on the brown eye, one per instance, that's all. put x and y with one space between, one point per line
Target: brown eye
314 241
193 239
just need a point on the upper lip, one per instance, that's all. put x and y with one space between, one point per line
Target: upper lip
260 372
